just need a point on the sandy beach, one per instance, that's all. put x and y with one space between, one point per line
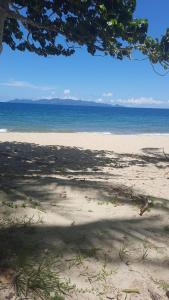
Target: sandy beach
84 150
92 141
89 190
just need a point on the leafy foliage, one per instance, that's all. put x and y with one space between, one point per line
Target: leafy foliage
57 27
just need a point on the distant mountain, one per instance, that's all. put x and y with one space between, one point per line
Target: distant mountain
57 101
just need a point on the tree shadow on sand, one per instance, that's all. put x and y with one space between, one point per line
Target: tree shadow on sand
34 174
20 242
24 159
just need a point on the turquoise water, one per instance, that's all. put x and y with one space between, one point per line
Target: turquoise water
55 118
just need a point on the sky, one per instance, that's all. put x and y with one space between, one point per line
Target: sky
82 76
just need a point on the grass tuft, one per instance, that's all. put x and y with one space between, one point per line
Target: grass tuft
32 271
41 282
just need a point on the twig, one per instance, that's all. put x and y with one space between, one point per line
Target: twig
158 73
145 206
131 291
166 156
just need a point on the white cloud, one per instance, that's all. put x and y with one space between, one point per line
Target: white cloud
67 95
66 92
25 84
50 96
107 94
142 101
99 100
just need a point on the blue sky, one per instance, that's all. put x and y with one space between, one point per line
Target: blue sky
102 79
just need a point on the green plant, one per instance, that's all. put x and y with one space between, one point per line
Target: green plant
144 255
35 271
76 261
41 281
162 284
123 254
114 201
8 203
34 203
106 27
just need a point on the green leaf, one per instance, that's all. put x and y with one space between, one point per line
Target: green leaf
112 22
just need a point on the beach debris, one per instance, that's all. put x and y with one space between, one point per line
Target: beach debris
145 206
131 291
73 223
165 155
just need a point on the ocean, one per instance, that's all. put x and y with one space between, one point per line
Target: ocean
56 118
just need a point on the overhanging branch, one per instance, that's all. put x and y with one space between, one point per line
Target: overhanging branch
3 15
15 15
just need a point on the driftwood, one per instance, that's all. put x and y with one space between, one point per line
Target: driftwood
145 206
131 291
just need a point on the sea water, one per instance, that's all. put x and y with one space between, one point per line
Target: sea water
57 118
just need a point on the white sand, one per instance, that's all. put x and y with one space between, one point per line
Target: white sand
93 141
150 179
78 213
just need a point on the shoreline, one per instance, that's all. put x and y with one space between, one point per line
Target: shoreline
121 143
4 130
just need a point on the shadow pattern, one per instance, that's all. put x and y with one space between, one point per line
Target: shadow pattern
19 162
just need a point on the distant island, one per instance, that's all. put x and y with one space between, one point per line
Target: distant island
57 101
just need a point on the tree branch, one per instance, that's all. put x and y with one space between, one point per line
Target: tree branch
3 7
15 15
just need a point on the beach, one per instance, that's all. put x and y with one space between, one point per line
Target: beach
89 190
84 150
94 141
